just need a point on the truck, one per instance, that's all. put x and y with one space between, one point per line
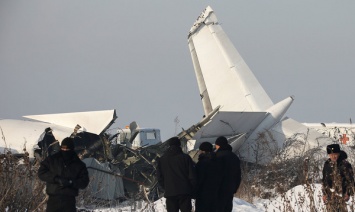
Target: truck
134 137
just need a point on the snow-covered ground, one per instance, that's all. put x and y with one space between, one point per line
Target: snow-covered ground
297 199
159 206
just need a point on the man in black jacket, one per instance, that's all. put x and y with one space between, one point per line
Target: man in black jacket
231 176
64 174
209 178
176 175
338 179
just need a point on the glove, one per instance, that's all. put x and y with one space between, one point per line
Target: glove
63 182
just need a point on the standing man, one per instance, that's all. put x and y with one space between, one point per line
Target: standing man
176 175
209 178
64 174
338 179
231 175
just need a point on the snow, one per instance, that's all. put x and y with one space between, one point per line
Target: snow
296 199
239 205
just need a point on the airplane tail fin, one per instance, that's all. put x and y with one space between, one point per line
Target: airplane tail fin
247 116
220 70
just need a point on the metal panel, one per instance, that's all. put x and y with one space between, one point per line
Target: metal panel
20 134
92 121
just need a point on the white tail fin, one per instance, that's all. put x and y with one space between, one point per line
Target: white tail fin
223 77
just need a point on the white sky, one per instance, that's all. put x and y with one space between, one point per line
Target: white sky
64 56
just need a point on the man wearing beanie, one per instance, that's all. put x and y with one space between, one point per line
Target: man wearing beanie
338 179
231 175
209 178
64 174
176 175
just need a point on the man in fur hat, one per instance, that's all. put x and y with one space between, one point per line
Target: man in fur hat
338 180
209 178
64 174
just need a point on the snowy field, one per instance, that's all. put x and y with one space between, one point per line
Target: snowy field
297 199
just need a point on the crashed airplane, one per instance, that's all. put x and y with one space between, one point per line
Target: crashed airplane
235 105
255 126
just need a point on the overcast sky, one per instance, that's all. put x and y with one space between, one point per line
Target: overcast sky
64 56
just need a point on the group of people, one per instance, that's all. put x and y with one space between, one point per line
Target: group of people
212 181
216 177
338 180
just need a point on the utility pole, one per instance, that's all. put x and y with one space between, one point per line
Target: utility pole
176 121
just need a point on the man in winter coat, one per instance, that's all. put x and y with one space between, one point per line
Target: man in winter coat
209 178
338 179
231 176
64 174
176 175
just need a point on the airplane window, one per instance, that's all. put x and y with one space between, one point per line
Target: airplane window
151 135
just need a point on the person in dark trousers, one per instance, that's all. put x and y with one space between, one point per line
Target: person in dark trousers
338 179
231 176
209 178
64 174
177 176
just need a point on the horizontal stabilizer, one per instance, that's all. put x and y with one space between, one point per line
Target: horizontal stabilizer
230 123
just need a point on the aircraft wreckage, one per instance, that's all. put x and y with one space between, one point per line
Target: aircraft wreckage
117 168
235 105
